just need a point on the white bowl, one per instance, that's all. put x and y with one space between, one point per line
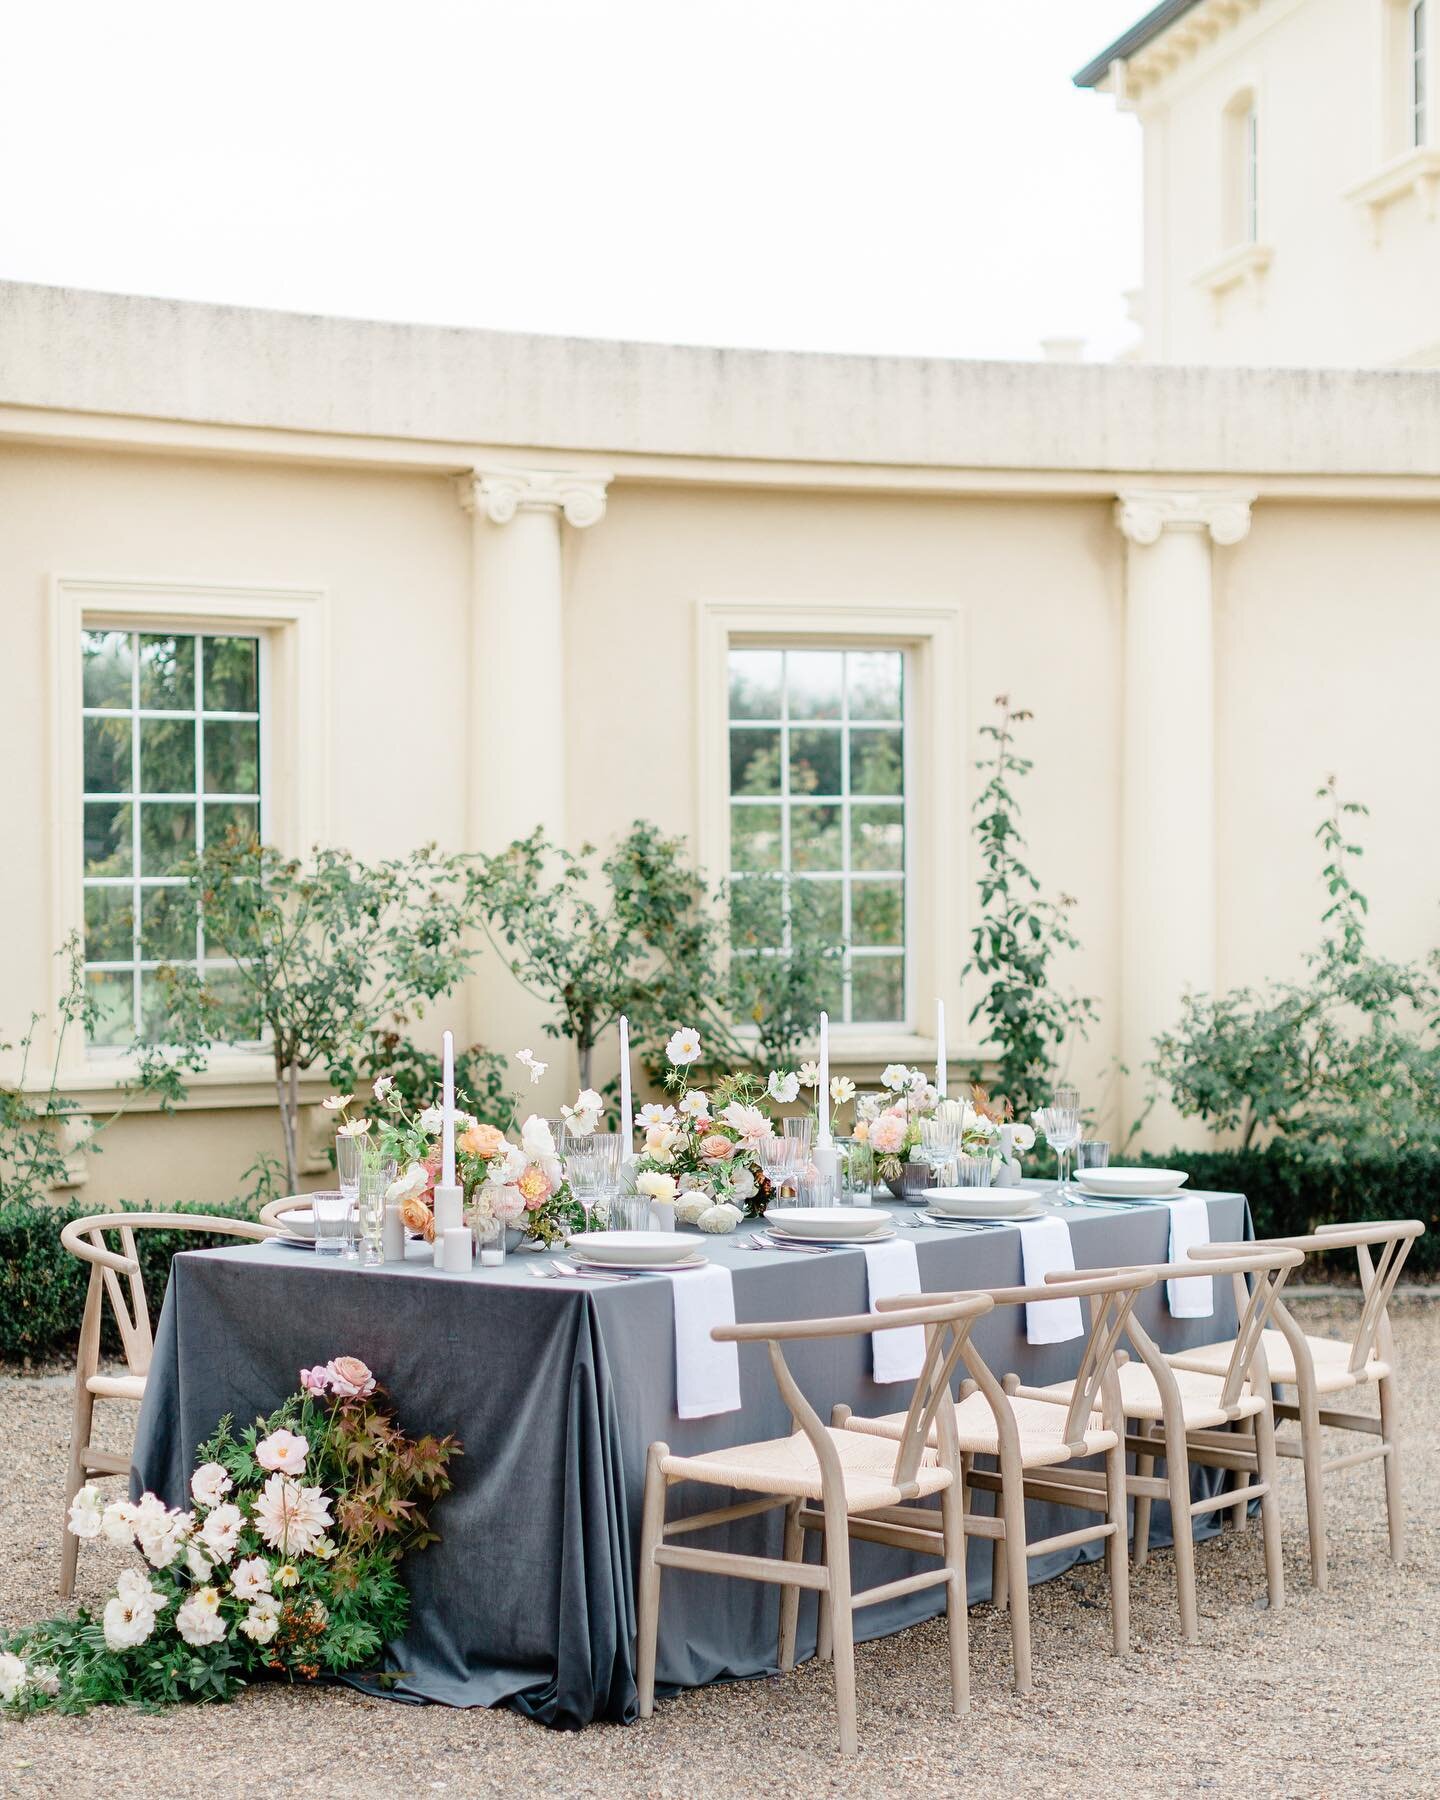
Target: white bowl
300 1224
980 1203
653 1247
1131 1184
827 1221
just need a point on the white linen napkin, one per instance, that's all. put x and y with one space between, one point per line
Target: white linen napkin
1189 1225
707 1374
893 1269
1045 1245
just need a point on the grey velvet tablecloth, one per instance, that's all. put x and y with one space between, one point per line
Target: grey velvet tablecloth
556 1388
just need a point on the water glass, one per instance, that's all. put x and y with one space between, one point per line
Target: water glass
857 1171
631 1212
376 1175
973 1171
332 1213
801 1132
1092 1153
349 1160
489 1228
812 1190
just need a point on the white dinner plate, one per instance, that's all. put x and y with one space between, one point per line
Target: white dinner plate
981 1203
640 1249
694 1261
1132 1184
963 1224
293 1243
883 1235
842 1222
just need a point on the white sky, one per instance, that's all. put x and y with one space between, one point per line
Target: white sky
875 175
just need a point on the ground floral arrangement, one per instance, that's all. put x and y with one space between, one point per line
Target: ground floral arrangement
287 1563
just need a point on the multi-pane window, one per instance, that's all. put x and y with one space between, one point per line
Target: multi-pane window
172 762
1418 95
817 811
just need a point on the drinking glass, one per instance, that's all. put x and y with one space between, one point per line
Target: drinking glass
939 1142
812 1190
332 1217
1092 1153
973 1171
489 1228
632 1212
1060 1121
802 1132
376 1174
857 1171
604 1149
349 1158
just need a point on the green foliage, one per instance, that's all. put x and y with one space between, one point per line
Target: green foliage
42 1287
1019 935
1345 1056
784 966
321 949
1292 1187
31 1158
417 1074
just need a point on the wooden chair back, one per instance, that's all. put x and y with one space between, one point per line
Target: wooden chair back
1391 1238
947 1319
85 1238
274 1211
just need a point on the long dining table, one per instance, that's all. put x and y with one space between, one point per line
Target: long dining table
556 1388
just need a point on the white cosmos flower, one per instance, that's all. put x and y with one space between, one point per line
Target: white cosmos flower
782 1086
684 1047
582 1118
696 1104
533 1064
86 1513
651 1115
355 1128
13 1676
895 1076
842 1089
383 1085
209 1485
336 1102
1022 1137
198 1621
809 1074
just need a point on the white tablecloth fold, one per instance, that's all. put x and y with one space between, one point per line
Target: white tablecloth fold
893 1270
707 1374
1189 1226
1044 1246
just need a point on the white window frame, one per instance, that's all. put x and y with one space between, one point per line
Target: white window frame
293 624
1417 86
936 711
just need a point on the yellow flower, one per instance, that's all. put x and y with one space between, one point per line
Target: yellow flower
288 1575
324 1550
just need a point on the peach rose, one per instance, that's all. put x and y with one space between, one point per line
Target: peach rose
483 1141
415 1215
534 1186
349 1377
717 1148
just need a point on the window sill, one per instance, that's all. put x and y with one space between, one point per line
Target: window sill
1416 172
231 1079
1246 262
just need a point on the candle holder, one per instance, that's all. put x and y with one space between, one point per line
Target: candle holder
449 1216
489 1229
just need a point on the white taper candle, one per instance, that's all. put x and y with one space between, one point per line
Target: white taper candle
942 1072
447 1114
627 1110
823 1137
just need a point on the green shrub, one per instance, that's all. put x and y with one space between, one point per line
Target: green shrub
1294 1187
42 1287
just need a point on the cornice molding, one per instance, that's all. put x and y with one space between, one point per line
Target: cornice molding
1142 514
497 495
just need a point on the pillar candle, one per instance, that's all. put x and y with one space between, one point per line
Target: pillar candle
942 1072
456 1257
392 1237
627 1113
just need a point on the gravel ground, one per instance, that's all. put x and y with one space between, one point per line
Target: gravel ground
1336 1695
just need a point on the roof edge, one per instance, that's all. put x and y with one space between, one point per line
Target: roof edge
1136 38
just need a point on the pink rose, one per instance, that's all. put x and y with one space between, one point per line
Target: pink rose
717 1148
887 1134
316 1380
283 1452
509 1203
350 1378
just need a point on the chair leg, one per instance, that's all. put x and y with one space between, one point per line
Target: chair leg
1182 1526
1267 1467
1312 1459
824 1637
652 1531
1394 1506
1017 1572
81 1420
952 1514
1233 1518
842 1623
1117 1549
794 1551
1145 1467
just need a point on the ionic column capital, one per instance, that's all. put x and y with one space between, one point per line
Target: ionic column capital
497 495
1144 513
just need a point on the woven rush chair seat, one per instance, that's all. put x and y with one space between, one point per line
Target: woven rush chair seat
789 1466
1200 1396
1331 1357
1039 1423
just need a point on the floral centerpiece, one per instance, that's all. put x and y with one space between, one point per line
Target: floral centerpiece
701 1148
285 1563
889 1123
520 1183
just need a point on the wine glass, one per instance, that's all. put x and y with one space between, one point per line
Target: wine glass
939 1142
1060 1121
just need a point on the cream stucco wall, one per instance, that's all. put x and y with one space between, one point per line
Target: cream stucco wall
1292 520
1348 263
